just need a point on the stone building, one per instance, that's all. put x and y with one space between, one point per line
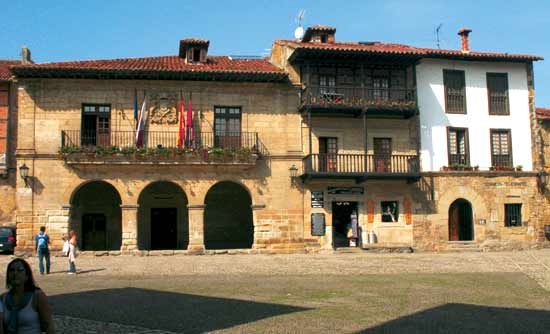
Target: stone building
196 153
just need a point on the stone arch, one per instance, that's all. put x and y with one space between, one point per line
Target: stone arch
461 221
96 216
162 218
228 220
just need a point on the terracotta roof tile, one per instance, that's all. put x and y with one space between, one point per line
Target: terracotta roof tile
401 49
543 113
5 73
162 64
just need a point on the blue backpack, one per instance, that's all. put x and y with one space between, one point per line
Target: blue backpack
42 241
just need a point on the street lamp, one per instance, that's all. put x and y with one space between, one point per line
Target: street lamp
24 172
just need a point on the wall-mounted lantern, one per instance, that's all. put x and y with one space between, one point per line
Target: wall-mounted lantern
293 174
24 172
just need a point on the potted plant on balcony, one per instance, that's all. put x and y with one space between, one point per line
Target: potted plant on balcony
519 168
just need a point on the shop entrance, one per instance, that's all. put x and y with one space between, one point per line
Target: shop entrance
341 222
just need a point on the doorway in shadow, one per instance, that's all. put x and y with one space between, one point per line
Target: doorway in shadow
461 224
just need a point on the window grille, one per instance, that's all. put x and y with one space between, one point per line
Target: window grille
497 90
455 91
501 154
512 215
457 143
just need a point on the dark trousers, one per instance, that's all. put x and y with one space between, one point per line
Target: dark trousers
72 267
43 253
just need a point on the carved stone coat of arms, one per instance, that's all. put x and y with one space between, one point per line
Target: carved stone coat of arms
164 108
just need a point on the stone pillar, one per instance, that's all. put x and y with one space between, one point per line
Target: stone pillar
258 230
129 227
196 228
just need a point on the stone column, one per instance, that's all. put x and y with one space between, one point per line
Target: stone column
129 227
196 228
258 230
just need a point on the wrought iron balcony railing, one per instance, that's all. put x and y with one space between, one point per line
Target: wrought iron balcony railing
162 139
353 164
362 97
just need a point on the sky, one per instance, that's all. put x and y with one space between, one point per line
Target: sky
67 30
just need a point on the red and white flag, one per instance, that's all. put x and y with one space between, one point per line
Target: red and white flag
140 132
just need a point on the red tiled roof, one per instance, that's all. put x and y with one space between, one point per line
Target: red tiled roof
401 49
168 65
543 113
5 73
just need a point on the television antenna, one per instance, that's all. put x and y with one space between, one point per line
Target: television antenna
437 34
299 32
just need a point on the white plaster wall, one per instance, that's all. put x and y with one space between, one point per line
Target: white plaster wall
434 121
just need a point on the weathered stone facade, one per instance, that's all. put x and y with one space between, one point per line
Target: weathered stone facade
271 209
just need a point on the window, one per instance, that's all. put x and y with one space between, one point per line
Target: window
497 91
382 154
381 87
455 92
457 143
96 125
501 152
512 215
196 55
390 211
327 84
227 127
328 154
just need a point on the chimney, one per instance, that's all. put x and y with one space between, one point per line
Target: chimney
26 55
464 32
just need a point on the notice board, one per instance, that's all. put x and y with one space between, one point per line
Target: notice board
317 224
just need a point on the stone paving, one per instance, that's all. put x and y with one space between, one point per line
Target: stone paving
533 263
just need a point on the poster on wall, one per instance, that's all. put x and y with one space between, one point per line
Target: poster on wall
317 199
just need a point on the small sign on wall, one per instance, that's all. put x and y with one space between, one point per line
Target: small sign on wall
317 224
317 199
345 190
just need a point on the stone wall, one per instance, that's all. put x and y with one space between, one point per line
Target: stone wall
49 106
487 193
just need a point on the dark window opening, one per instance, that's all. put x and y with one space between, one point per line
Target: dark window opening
324 38
512 215
497 90
227 127
328 154
455 91
457 144
390 211
197 55
382 154
96 125
501 153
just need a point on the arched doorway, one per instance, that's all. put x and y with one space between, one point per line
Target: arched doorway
163 221
461 224
96 216
228 217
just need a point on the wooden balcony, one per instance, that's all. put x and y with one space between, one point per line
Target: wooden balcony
160 147
361 167
335 101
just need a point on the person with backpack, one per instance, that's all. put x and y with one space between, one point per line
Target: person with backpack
42 241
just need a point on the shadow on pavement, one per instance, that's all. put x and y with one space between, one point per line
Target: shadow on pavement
465 318
169 311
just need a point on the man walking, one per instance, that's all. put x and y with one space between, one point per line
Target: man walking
42 240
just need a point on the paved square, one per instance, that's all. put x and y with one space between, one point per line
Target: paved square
505 292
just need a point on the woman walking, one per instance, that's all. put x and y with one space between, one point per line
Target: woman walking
25 307
72 252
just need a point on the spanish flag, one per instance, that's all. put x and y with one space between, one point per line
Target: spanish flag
181 131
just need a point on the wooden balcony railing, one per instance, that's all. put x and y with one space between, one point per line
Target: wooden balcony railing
360 164
164 139
362 97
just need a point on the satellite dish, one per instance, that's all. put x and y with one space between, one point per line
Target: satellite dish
299 33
